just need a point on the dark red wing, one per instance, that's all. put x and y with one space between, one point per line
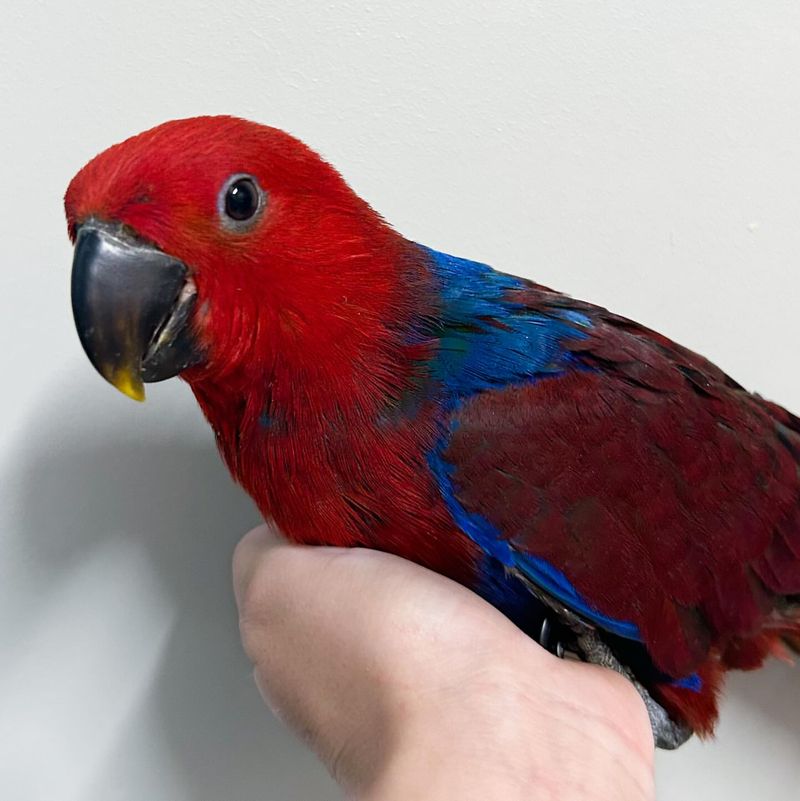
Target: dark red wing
664 492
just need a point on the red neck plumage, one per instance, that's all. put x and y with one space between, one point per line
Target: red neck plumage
330 357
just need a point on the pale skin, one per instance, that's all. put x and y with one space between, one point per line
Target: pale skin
408 686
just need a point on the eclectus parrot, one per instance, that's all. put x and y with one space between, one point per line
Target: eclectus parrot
614 494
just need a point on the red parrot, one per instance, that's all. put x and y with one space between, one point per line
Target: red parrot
614 494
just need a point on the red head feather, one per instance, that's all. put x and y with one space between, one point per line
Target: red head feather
304 315
311 296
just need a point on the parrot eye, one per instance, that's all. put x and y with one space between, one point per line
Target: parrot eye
241 199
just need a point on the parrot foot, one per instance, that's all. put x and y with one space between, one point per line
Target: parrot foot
589 646
666 732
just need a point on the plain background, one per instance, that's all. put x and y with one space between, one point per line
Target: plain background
642 155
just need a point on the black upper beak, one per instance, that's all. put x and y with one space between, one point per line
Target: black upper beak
132 304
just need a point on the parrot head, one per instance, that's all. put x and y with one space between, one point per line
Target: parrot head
222 249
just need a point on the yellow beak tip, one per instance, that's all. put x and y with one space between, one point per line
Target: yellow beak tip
137 395
128 384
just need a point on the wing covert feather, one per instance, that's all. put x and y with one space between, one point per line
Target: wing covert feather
665 493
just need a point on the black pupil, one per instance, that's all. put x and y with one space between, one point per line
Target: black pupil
241 200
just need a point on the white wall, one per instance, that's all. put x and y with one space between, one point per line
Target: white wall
644 155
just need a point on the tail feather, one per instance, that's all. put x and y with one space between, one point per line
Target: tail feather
698 709
790 634
779 638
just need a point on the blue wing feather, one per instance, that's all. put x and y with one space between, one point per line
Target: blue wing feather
487 341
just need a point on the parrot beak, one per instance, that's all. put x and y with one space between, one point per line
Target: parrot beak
131 303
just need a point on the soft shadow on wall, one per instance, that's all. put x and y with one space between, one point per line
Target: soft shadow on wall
139 491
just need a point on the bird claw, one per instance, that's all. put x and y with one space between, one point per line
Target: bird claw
667 733
555 647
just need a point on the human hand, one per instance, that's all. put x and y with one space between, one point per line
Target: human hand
409 686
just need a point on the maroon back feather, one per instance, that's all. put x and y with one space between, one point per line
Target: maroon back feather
652 470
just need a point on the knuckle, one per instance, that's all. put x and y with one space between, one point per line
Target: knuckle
265 595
